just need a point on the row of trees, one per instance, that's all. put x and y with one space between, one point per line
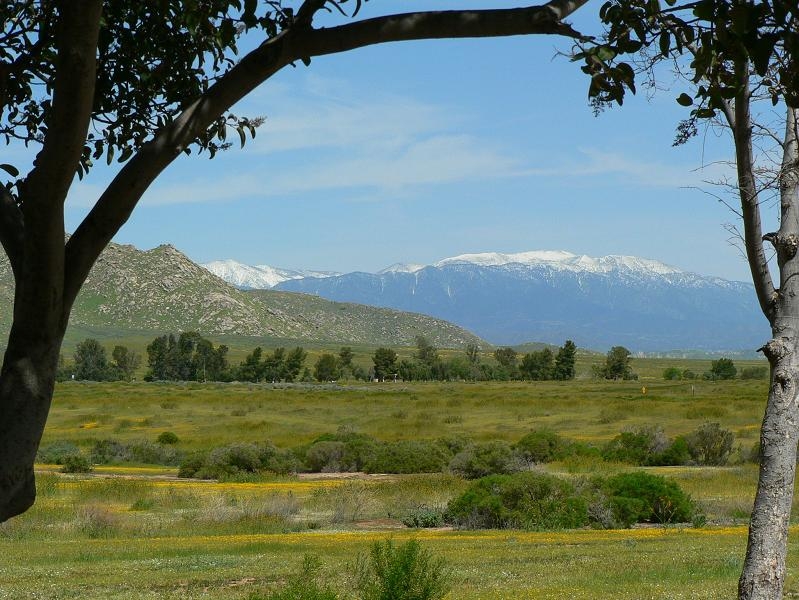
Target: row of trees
90 362
721 369
427 365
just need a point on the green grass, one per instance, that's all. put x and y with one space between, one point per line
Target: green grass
207 415
136 532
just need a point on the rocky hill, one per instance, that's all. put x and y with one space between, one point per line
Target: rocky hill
162 290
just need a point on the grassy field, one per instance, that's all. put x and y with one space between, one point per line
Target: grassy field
207 415
139 532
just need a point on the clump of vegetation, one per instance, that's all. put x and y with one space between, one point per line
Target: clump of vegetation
57 452
540 446
710 444
409 456
304 585
424 517
404 572
236 459
540 501
479 460
76 463
167 437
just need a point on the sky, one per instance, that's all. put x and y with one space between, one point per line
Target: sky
419 151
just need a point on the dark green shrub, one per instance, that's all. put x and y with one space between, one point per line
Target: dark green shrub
167 437
193 466
404 572
424 516
672 374
359 448
540 446
678 453
104 452
57 452
524 500
710 444
642 497
76 463
327 457
147 452
235 460
642 446
484 459
408 456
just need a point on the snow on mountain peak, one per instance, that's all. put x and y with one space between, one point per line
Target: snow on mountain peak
258 276
401 268
561 260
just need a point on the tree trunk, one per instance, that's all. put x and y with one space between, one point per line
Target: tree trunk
26 390
764 567
763 574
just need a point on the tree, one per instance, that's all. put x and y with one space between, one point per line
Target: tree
617 364
292 366
473 354
723 368
385 362
126 361
326 368
538 366
345 357
426 353
736 56
142 83
91 362
564 361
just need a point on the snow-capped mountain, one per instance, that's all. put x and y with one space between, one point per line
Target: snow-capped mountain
550 296
258 277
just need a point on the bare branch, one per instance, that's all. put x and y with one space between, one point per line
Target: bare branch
753 234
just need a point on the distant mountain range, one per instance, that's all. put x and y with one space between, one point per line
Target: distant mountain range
549 296
160 290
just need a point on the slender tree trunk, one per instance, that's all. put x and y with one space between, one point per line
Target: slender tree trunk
763 574
764 567
26 389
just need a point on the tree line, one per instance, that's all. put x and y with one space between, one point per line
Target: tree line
427 365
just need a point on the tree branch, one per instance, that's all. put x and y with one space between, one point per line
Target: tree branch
115 205
753 234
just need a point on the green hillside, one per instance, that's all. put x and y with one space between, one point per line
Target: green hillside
133 294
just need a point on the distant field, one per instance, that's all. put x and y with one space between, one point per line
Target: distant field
207 415
138 532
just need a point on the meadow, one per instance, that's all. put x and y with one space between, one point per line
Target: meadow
137 531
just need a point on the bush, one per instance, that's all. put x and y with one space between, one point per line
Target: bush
641 497
302 586
525 500
754 373
147 452
57 452
359 449
168 437
484 459
238 459
404 572
407 456
326 457
710 444
672 374
642 446
423 517
76 463
540 446
104 452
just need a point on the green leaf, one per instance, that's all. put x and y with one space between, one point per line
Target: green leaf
10 169
665 43
684 100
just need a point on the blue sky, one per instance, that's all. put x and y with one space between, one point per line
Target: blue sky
418 151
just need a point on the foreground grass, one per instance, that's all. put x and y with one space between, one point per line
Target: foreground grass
634 564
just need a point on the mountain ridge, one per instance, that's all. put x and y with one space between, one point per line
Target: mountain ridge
162 290
549 296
